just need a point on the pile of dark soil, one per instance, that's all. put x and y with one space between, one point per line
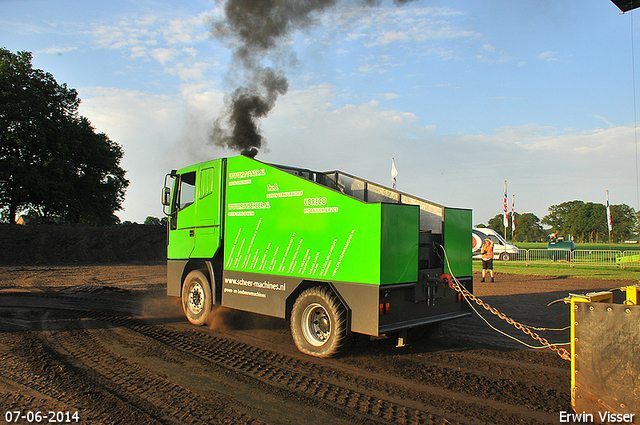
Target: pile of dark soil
79 244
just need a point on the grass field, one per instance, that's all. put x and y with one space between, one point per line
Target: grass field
564 268
584 246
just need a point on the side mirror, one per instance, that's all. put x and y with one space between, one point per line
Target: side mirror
166 196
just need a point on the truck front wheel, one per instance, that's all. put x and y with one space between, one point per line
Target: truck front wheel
196 297
318 322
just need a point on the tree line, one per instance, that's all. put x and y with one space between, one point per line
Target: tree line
54 165
585 222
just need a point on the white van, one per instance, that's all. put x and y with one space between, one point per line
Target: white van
502 250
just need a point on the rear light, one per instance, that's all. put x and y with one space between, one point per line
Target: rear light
459 297
384 308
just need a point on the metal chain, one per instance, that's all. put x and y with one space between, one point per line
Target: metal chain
562 352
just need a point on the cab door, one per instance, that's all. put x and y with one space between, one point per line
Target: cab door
182 221
208 211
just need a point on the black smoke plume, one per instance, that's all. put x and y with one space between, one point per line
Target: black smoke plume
238 128
255 30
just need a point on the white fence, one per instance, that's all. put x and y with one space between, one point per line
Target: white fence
580 257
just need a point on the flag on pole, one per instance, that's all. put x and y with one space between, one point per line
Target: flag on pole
505 207
513 213
609 213
394 174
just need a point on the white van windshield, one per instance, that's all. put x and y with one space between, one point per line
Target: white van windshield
496 240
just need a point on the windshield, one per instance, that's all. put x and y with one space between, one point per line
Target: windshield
496 240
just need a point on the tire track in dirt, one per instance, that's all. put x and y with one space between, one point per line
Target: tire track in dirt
393 400
269 368
78 340
148 392
509 390
464 384
58 385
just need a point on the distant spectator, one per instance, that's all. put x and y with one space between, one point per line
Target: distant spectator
487 258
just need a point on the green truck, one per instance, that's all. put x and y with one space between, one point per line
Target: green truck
334 254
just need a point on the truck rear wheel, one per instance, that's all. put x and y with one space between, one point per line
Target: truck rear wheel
318 322
196 297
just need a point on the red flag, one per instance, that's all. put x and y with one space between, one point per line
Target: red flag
505 207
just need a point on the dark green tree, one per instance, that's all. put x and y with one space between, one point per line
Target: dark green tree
587 222
560 216
155 221
497 223
53 164
528 228
624 221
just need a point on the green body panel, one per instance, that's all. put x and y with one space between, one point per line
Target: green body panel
457 243
281 224
399 243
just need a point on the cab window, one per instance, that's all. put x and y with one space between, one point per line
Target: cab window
187 190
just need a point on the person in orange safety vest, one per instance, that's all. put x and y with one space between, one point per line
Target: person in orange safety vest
487 258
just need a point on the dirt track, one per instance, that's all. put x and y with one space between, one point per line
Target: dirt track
105 341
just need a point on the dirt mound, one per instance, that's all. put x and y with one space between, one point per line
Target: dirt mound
79 244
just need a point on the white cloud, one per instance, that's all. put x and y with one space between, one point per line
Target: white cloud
191 72
373 68
548 56
377 64
390 37
382 26
163 55
138 52
185 31
169 41
57 50
157 133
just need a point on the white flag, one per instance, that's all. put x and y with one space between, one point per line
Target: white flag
513 214
504 207
394 174
609 213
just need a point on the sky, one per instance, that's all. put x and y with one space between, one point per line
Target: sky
462 94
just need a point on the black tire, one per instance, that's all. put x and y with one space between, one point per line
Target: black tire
196 297
505 256
319 322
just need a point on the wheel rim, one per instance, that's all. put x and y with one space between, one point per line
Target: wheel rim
195 300
316 324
